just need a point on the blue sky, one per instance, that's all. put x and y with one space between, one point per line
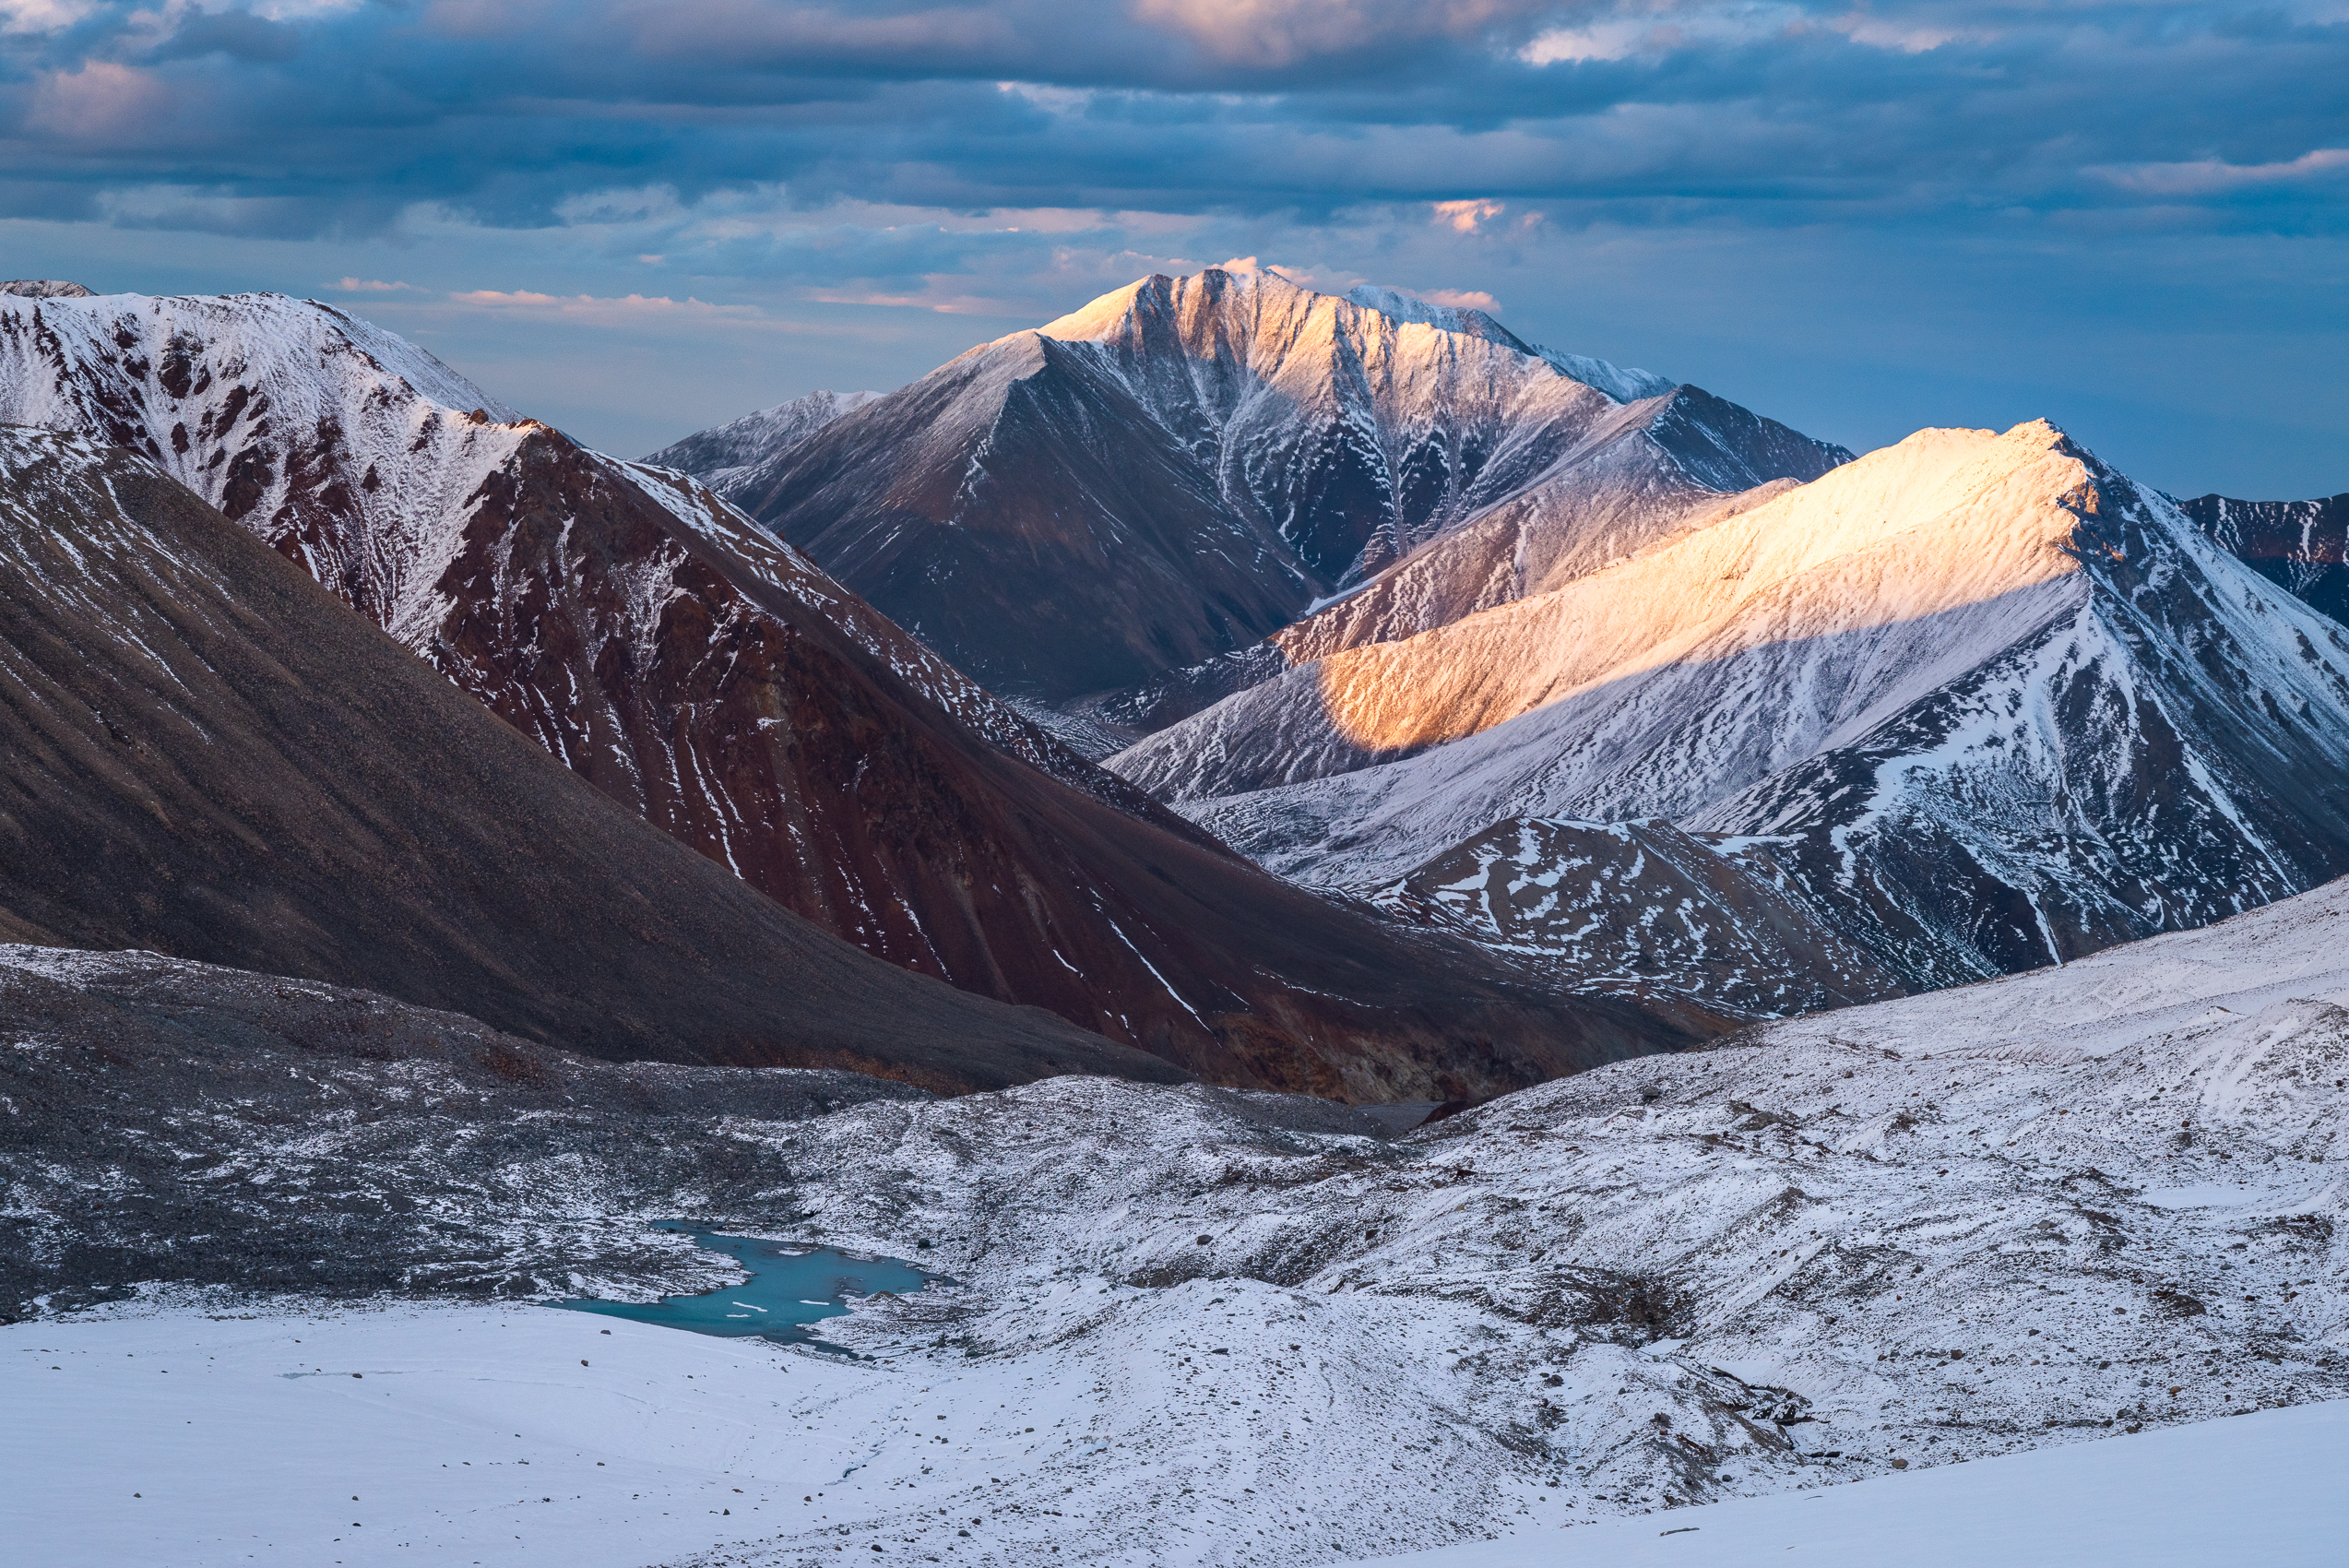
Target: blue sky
634 218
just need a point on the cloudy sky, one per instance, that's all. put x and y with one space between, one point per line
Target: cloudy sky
637 216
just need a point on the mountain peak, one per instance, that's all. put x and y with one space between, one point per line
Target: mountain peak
46 289
1260 294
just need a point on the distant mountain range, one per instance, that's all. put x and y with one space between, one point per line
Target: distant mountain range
710 679
1189 464
1580 713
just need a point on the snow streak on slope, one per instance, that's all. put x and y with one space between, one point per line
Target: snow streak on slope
2058 1206
730 458
1187 464
2002 707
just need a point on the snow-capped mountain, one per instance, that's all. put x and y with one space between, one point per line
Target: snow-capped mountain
43 288
1975 699
712 680
1188 464
2301 545
209 756
730 457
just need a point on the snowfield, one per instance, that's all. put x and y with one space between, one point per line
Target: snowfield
2259 1488
1191 1325
522 1435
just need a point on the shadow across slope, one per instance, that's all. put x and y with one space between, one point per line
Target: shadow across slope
208 756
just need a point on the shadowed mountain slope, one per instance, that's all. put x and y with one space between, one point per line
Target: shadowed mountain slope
208 756
2299 546
710 678
1189 464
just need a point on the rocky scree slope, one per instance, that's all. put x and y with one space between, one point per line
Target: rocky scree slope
180 1124
207 754
1245 1328
708 677
1975 700
2055 1206
1190 463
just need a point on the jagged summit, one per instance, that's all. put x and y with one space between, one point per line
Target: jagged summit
1187 464
45 289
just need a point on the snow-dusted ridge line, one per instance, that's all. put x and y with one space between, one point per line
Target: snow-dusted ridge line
1186 464
1625 384
730 458
1989 655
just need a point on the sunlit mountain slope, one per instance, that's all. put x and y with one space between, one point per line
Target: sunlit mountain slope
1188 464
1978 699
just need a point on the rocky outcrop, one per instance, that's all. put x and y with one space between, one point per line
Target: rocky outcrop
1641 908
2299 546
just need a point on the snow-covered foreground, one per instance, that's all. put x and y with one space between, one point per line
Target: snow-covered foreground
2261 1489
526 1435
1191 1326
488 1435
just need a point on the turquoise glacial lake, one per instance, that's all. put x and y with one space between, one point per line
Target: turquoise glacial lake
791 1286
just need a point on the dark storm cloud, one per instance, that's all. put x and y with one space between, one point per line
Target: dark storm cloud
338 117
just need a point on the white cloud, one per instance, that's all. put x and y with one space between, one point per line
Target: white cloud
42 15
2210 176
627 309
1281 32
1467 217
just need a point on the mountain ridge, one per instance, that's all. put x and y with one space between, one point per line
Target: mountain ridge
710 678
211 756
1976 700
1178 469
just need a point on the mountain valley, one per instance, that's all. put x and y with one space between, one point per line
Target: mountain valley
1411 943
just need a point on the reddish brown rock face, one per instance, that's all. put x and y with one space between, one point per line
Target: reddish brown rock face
689 666
737 706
